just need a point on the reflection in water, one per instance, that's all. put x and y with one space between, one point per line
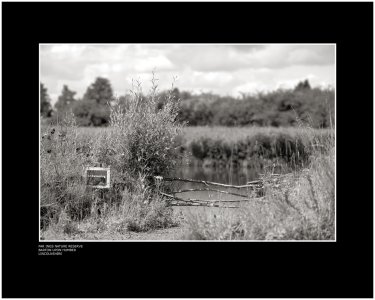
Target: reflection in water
234 176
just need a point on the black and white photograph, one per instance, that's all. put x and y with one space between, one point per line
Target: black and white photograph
187 142
184 150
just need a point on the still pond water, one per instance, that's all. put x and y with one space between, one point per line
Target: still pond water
233 176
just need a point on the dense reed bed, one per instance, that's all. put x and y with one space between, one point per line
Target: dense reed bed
251 146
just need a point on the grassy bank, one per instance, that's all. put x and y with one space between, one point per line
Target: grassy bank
296 206
142 142
255 147
136 147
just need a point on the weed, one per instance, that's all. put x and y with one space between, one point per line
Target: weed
138 145
299 205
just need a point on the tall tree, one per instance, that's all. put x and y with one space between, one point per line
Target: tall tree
100 91
303 85
93 110
45 105
65 100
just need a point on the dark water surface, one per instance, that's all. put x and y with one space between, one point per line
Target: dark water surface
233 176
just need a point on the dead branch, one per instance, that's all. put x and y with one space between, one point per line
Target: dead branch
208 190
202 204
251 185
254 182
209 200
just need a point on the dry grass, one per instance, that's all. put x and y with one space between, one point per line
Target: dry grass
138 146
236 134
113 222
299 206
140 143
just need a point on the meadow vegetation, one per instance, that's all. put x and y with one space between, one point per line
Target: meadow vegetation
146 137
249 147
295 206
254 147
137 147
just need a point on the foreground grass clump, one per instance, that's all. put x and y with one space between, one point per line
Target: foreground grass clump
138 145
61 168
111 222
299 206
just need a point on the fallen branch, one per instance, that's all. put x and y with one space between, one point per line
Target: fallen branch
208 190
251 185
264 174
201 204
210 200
255 182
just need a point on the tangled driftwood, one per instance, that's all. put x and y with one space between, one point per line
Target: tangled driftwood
178 201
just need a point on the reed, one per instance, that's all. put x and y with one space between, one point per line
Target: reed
297 206
138 145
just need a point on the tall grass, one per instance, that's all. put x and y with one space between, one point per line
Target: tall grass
138 145
143 136
252 146
296 206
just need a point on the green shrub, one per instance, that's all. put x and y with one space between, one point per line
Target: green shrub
143 137
139 144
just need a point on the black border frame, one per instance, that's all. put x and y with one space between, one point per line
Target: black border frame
171 269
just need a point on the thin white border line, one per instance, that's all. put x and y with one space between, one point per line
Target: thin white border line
335 143
188 44
184 1
203 241
39 208
198 44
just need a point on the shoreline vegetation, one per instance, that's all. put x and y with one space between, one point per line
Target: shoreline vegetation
142 142
243 147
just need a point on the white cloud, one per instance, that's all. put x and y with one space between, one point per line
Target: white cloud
148 64
249 88
220 57
95 70
223 69
65 51
213 77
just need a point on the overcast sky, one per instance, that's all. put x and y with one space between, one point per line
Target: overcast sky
222 69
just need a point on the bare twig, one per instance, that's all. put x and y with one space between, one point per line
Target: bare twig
201 204
254 182
208 190
210 200
211 183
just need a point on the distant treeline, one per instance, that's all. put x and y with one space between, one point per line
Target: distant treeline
283 107
278 108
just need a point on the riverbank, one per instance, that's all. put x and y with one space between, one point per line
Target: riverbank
129 218
251 147
244 147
